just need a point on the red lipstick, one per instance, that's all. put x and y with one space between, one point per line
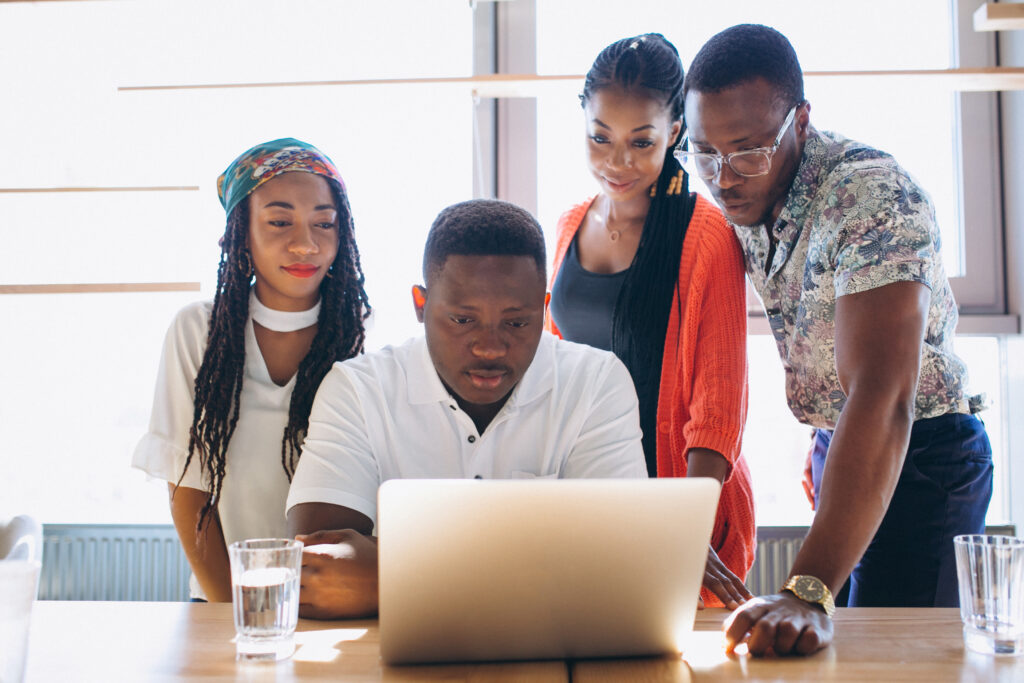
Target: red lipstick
301 269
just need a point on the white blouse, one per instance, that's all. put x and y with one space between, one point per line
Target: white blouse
255 485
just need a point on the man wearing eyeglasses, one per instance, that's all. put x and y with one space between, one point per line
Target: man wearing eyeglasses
843 249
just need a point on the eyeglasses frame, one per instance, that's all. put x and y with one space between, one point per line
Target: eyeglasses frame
721 159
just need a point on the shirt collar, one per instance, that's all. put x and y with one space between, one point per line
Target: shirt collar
805 181
425 385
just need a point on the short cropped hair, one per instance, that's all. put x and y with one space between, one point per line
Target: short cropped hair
743 53
483 227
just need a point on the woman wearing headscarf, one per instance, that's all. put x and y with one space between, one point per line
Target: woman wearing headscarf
237 375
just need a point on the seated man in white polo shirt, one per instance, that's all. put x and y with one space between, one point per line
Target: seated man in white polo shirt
484 395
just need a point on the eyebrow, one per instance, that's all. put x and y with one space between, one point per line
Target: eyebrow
286 205
470 308
635 130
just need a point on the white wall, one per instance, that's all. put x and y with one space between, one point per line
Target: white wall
1011 53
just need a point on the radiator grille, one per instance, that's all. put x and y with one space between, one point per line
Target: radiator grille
145 561
112 562
777 547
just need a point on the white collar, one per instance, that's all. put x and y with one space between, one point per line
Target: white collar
281 321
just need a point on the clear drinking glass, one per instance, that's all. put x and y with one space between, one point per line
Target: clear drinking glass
18 582
990 571
265 594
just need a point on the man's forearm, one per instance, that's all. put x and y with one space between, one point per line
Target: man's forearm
864 462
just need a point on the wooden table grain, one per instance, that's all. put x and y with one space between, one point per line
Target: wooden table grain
871 644
133 641
86 642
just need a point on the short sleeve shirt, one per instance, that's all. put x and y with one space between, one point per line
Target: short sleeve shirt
387 415
255 484
853 220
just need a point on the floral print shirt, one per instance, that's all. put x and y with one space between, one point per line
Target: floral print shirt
853 221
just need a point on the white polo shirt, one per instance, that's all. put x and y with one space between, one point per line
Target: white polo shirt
386 415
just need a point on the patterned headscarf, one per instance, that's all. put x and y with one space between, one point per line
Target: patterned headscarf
268 160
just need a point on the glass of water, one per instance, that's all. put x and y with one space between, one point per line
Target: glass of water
265 593
990 571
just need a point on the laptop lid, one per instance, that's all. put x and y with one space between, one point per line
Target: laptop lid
540 569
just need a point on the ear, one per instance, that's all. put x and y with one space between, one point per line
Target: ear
419 300
802 122
677 126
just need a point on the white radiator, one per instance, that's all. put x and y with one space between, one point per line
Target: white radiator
776 549
112 562
145 561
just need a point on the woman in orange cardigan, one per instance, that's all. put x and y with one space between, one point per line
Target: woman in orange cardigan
655 274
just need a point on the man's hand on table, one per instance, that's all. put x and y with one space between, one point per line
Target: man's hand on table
723 583
779 624
339 575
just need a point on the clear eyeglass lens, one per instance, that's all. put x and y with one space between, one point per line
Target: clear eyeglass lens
750 163
744 163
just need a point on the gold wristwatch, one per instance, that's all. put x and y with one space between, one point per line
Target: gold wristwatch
813 590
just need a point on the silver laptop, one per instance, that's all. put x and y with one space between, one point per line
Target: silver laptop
540 569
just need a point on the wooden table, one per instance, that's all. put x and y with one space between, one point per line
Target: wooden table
132 641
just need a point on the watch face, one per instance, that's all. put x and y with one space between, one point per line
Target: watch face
809 588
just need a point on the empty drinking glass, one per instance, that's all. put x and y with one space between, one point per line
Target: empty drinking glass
990 571
265 593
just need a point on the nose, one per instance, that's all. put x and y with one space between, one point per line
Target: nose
303 241
620 158
726 177
489 344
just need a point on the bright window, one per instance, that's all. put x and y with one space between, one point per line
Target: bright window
918 124
80 368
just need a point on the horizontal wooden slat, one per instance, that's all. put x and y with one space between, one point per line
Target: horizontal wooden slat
101 288
999 16
158 188
530 85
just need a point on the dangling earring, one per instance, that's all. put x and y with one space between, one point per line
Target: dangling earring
677 183
330 271
654 188
245 266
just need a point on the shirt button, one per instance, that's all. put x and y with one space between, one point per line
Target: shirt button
471 439
664 427
452 407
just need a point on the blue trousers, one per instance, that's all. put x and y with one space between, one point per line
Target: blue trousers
943 490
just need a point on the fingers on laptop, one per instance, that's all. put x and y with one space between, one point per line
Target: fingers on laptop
339 575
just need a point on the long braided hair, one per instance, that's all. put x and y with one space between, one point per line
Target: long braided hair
648 66
340 334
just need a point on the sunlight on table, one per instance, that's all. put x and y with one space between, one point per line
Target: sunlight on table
319 646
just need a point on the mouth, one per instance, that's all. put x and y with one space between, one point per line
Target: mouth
486 378
302 270
732 206
619 186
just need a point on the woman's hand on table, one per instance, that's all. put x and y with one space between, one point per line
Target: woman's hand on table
339 575
779 624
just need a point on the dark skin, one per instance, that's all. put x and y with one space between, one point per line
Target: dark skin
292 221
628 134
483 318
878 337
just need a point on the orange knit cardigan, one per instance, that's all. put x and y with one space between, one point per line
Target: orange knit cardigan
702 397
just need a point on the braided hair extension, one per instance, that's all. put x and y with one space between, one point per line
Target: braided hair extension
218 385
340 331
648 66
